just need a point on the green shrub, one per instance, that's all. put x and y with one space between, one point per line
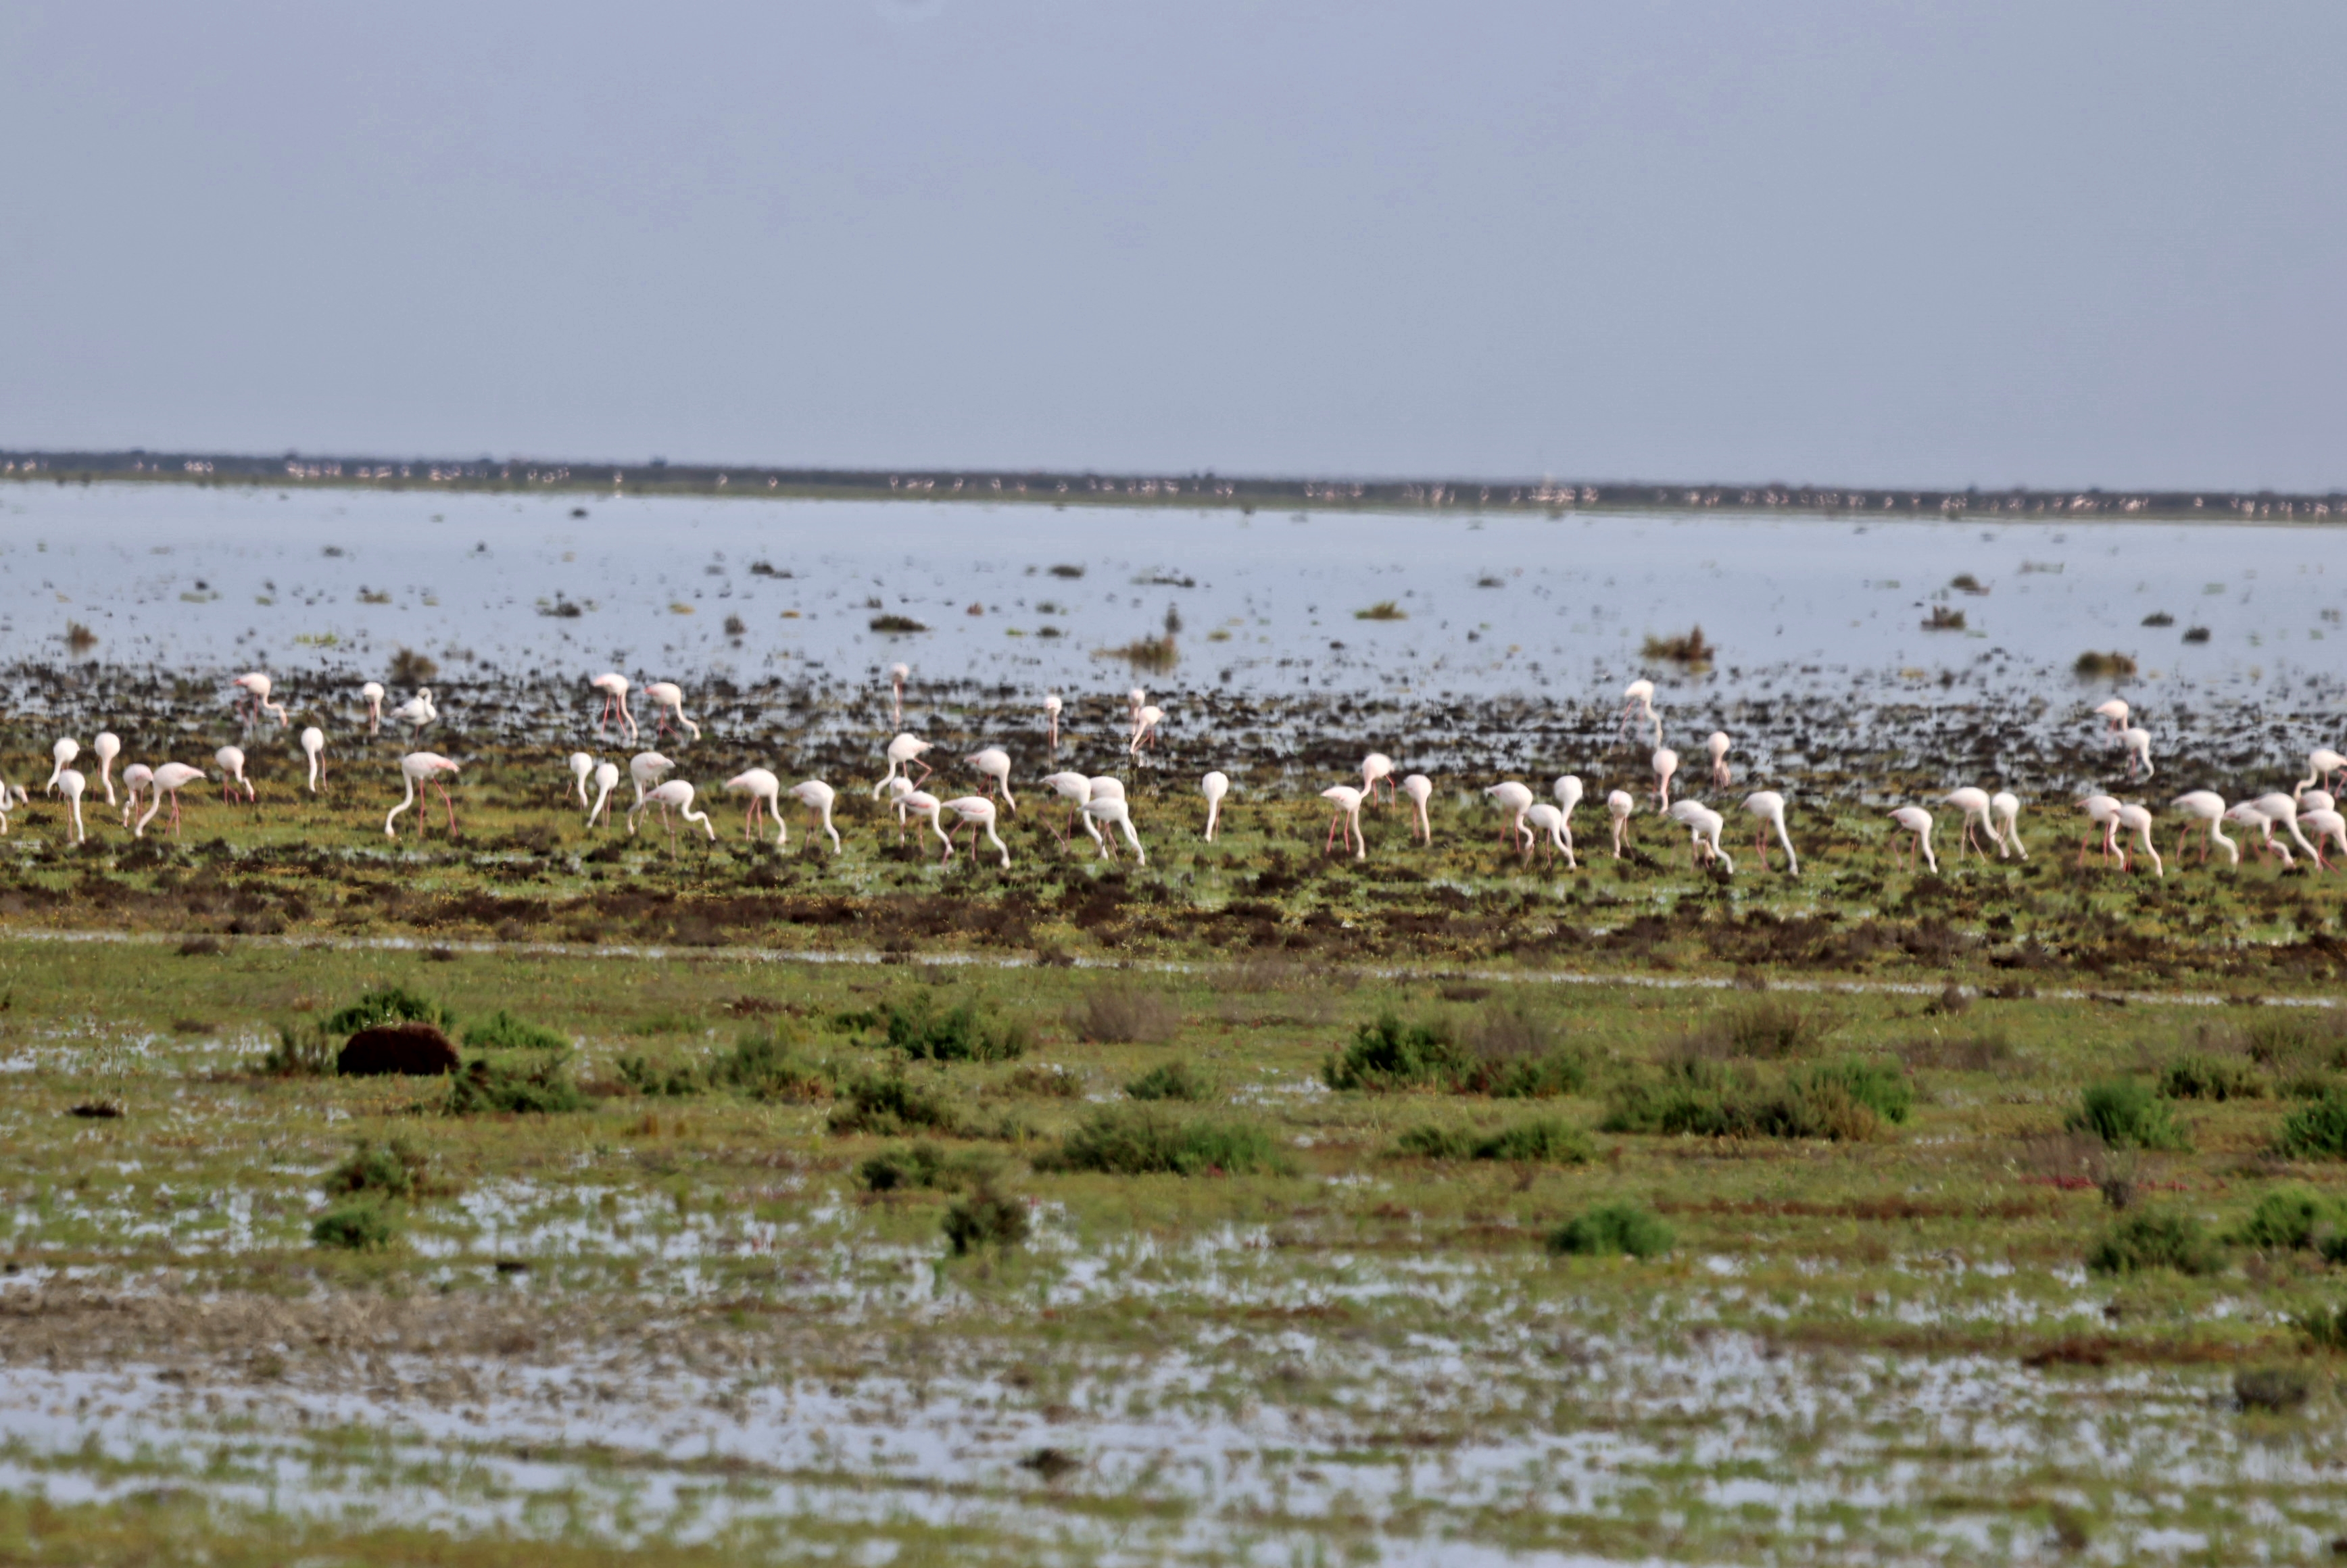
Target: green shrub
925 1165
393 1170
985 1218
301 1053
965 1032
1545 1141
2200 1076
2325 1328
1171 1081
2272 1390
540 1083
766 1065
2126 1115
890 1106
389 1004
1880 1086
1767 1029
503 1031
1845 1101
671 1079
2317 1129
1435 1143
1389 1054
1612 1230
2292 1218
2151 1239
1686 1096
361 1226
1143 1140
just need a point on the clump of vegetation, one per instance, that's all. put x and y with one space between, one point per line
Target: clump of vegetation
389 1004
1690 651
1508 1053
300 1052
1944 619
1067 569
2316 1129
2195 634
985 1217
1388 1054
1045 1081
1965 582
2272 1390
1848 1100
1543 1141
2325 1328
2151 1239
764 1064
393 1169
2291 1218
1144 1140
662 1080
964 1032
364 1227
896 625
2160 618
1514 1052
503 1031
79 638
2200 1076
409 668
2126 1115
1612 1230
2093 666
538 1084
890 1105
1156 654
1384 610
1171 1081
1767 1029
924 1165
1116 1013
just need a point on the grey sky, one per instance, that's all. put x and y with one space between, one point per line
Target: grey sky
2052 243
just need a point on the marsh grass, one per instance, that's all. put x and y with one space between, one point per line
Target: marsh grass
2292 1218
2095 666
540 1084
984 1218
365 1225
1848 1100
1144 1140
1770 1028
1542 1140
896 625
970 1030
503 1031
2124 1114
394 1168
1119 1012
2196 1075
1612 1230
890 1105
302 1050
1172 1080
1981 1050
1507 1052
1384 610
2155 1239
409 668
925 1166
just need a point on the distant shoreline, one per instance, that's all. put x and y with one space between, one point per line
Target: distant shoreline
1451 497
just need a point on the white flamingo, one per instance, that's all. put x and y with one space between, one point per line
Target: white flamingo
994 762
977 813
1213 786
1619 804
817 796
2005 823
70 785
1719 745
1767 807
371 695
678 793
607 779
614 686
2205 808
232 768
313 747
418 769
670 697
1916 821
1513 799
168 780
105 748
1420 789
1111 810
765 791
903 751
582 768
1347 801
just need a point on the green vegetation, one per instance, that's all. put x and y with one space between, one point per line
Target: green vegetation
503 1031
2317 1129
1171 1081
1612 1230
2150 1239
364 1227
1544 1138
1849 1100
389 1004
965 1031
2126 1115
2197 1075
492 1085
1142 1140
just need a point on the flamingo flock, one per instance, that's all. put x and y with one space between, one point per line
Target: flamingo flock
2123 833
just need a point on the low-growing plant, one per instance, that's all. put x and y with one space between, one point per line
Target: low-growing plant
1156 654
2325 1328
1768 1029
503 1031
389 1004
661 1079
1116 1013
985 1217
2155 1238
2316 1129
540 1083
1145 1139
1389 1054
2292 1218
1384 610
1171 1081
362 1226
1541 1140
1612 1230
965 1031
765 1065
2093 665
1691 649
1848 1100
2196 1075
302 1050
2125 1115
1044 1081
890 1105
2272 1390
924 1164
392 1169
1880 1086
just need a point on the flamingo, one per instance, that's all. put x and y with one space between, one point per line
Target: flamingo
2247 814
1051 718
313 746
1145 727
1619 805
905 749
2137 819
1375 766
415 770
105 748
1973 803
256 686
1113 810
921 803
975 812
169 779
418 713
1514 799
2004 822
607 779
670 696
1638 702
2206 807
1421 789
1704 826
1075 789
2321 763
1767 808
898 673
232 766
2115 711
614 688
678 793
817 796
2138 750
62 755
70 785
1134 700
2282 809
646 769
1915 820
2317 799
136 777
1568 792
2329 825
1347 800
371 695
11 797
1547 822
582 768
2102 811
1719 745
764 791
1666 764
995 763
1213 786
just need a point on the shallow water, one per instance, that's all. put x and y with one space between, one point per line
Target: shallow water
205 578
